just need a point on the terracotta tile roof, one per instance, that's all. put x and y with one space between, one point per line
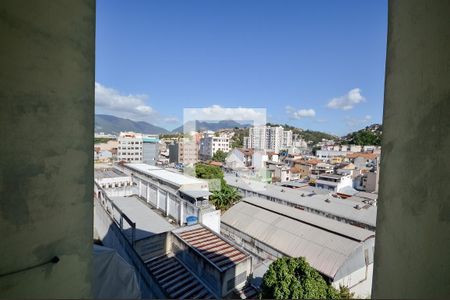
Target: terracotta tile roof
216 163
363 155
295 170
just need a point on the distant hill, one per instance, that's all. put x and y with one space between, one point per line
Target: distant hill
308 135
371 135
214 126
114 125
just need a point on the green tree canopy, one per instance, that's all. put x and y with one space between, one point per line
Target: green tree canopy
204 171
208 172
225 197
294 278
219 156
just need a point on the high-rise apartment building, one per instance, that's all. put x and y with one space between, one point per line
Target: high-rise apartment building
268 138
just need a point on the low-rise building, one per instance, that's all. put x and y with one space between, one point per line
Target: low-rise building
209 145
183 152
319 201
239 158
334 182
190 262
268 230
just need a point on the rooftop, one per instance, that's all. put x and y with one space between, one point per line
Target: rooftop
325 243
331 176
220 253
312 198
108 173
148 222
176 281
363 155
163 174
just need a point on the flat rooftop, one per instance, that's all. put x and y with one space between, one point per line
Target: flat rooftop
148 222
165 175
108 173
220 253
332 176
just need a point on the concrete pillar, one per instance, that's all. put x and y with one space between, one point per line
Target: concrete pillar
157 198
413 225
148 193
140 188
167 204
181 213
46 158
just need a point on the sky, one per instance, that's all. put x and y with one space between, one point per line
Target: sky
311 64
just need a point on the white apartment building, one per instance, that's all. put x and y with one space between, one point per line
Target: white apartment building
209 145
268 138
287 139
130 147
334 182
133 147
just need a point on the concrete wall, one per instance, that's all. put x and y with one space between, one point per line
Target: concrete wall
413 226
46 167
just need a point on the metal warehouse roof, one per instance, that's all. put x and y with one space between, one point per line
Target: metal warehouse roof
324 202
346 230
147 221
213 248
177 281
325 251
171 177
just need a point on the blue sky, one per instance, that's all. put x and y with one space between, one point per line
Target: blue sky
312 64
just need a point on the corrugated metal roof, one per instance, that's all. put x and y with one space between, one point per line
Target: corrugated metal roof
325 250
176 281
213 248
343 229
310 197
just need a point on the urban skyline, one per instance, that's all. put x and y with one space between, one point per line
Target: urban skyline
311 68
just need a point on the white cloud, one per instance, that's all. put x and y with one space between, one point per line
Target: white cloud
300 113
109 100
348 101
217 113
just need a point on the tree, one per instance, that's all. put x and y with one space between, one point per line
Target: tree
219 156
208 172
225 197
294 278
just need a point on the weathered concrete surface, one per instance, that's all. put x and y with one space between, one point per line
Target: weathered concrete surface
46 163
413 227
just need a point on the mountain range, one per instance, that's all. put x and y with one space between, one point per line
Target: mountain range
114 125
214 126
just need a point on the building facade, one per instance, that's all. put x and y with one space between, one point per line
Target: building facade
209 145
138 148
183 153
268 138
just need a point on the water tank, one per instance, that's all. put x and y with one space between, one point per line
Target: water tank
191 220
